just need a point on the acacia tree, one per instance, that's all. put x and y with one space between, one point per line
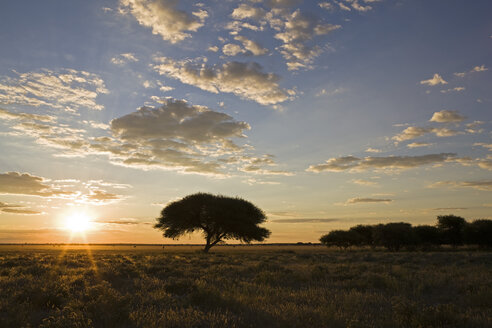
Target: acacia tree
218 217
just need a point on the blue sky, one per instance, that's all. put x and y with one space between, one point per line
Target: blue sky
325 114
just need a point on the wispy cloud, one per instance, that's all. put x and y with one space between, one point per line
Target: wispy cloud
66 89
485 185
308 220
124 58
17 209
350 163
358 200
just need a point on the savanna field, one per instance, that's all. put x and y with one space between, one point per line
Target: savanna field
242 286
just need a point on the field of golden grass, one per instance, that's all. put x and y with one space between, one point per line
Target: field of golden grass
242 286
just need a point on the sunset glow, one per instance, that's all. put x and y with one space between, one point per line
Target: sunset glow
324 114
78 223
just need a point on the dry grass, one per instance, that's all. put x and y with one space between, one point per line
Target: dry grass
271 286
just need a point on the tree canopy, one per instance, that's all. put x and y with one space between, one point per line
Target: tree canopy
218 217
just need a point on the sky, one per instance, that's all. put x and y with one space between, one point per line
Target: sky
324 114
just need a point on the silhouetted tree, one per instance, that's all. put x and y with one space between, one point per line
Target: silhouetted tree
451 228
341 238
426 235
393 236
218 217
365 232
479 232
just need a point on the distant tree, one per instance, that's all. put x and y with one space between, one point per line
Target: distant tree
426 235
341 238
218 217
365 233
394 236
451 228
479 232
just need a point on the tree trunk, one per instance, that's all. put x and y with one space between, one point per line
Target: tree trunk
208 245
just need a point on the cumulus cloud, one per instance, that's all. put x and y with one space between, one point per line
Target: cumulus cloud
295 31
124 58
251 46
358 200
447 116
435 80
16 209
413 132
66 89
174 136
373 150
27 184
246 11
351 163
245 80
231 49
164 18
485 185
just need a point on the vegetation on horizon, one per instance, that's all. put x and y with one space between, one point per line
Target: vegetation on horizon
449 230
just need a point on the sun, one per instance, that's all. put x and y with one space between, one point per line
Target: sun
78 222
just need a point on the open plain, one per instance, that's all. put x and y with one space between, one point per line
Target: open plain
242 286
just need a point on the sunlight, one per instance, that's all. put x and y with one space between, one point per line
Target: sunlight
78 222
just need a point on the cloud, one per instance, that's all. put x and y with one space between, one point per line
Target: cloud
419 144
295 31
16 209
485 185
372 150
358 200
447 116
435 80
413 132
484 145
27 184
121 221
326 5
7 115
472 127
450 209
456 89
164 18
357 6
66 89
313 220
100 197
250 46
481 68
231 49
475 69
363 182
350 163
245 80
245 11
174 136
124 58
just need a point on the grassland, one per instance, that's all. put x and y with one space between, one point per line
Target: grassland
296 286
